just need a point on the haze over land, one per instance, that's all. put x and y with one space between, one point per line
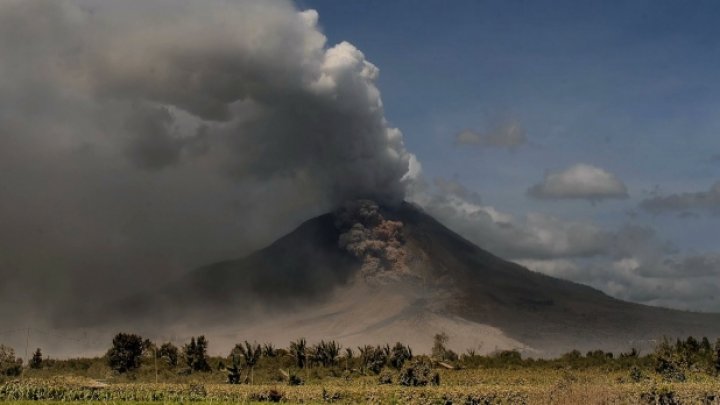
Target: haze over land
140 141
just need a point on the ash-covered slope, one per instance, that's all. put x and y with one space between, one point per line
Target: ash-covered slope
547 313
331 272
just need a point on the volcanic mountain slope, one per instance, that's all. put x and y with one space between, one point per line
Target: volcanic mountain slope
405 276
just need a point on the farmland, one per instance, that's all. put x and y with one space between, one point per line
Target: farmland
681 372
502 386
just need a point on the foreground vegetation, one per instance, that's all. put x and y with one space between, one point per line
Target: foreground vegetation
136 370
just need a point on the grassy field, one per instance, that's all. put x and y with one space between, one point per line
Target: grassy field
681 372
476 386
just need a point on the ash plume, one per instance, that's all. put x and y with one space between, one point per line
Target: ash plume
142 139
377 242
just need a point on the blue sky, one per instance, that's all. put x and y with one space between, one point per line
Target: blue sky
631 88
628 87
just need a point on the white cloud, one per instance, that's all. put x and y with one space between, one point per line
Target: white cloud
534 236
581 181
631 263
507 136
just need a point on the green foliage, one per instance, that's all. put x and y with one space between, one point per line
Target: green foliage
269 350
325 353
385 377
195 354
249 352
298 351
399 355
169 353
373 358
233 373
670 361
418 373
36 362
510 357
9 364
636 375
295 380
125 353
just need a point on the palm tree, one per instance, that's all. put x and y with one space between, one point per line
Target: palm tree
251 353
298 351
269 350
348 356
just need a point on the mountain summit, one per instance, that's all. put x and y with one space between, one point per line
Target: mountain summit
372 274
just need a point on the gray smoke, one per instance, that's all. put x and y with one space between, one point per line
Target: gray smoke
141 139
377 242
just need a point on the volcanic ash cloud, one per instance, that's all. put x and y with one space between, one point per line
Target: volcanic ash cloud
164 134
378 243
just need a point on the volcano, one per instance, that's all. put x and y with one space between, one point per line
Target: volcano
310 283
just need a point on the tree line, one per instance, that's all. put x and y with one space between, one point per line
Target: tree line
128 352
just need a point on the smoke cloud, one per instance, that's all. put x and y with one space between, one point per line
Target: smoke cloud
685 203
141 139
368 236
509 136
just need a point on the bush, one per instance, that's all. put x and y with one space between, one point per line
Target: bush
636 375
669 361
125 353
418 374
294 379
386 377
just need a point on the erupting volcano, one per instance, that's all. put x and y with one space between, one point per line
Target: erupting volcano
369 273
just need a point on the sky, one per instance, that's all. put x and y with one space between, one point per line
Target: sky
141 140
628 88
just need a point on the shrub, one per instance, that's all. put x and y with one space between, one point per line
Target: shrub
417 374
294 379
669 363
385 377
636 375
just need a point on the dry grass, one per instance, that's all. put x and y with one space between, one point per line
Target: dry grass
492 386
